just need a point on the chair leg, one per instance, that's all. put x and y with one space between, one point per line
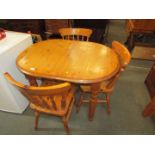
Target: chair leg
66 126
108 103
36 113
79 104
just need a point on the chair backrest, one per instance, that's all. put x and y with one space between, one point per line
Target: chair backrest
43 97
122 52
75 33
124 57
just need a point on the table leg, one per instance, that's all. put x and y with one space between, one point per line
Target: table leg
32 80
95 88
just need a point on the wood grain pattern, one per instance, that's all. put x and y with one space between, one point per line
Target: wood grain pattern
74 34
73 61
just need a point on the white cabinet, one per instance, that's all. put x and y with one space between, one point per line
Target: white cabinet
11 100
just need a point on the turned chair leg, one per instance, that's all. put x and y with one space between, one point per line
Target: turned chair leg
108 103
65 123
79 104
66 128
36 113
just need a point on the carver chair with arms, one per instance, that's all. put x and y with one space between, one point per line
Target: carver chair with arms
107 86
55 100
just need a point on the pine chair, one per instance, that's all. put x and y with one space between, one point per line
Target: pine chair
108 86
55 100
82 34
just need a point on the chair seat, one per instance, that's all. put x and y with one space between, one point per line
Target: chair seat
103 87
59 111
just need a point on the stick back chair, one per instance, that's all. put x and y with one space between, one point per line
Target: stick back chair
82 34
55 100
108 86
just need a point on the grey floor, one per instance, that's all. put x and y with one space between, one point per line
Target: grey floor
127 103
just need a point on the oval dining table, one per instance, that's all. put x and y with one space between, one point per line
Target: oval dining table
78 62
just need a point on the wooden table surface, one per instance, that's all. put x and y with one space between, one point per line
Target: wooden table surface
72 61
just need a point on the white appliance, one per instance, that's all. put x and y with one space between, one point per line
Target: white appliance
11 100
